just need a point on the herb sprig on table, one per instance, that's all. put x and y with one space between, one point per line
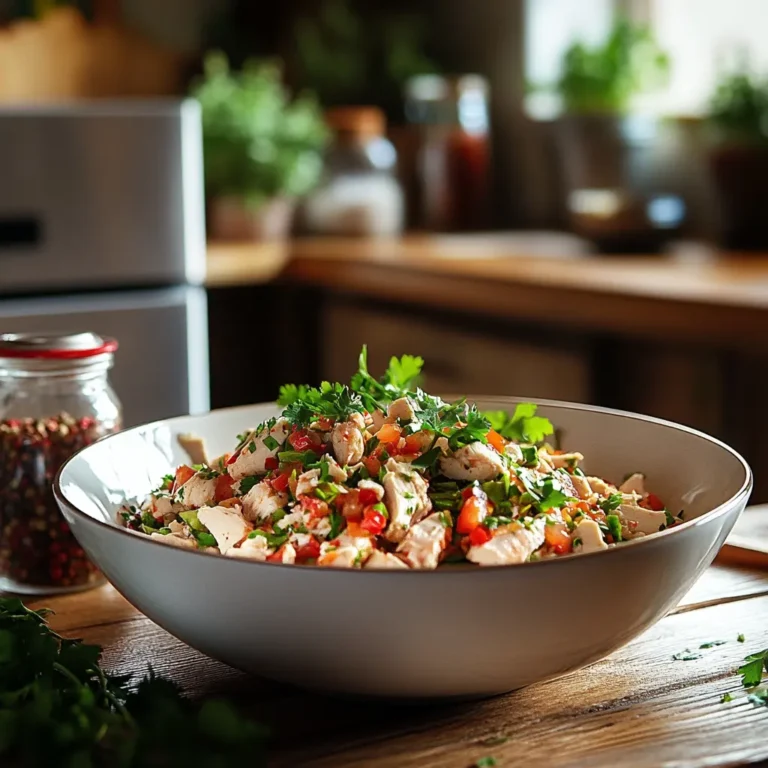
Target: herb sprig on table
59 707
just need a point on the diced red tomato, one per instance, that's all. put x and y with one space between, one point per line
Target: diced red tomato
496 440
474 510
310 550
316 507
183 473
479 536
413 445
301 440
373 521
367 496
233 458
389 433
223 488
277 556
652 501
581 506
470 491
558 539
280 483
372 464
271 462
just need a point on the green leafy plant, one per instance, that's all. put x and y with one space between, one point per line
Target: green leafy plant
604 78
738 110
59 707
345 56
258 144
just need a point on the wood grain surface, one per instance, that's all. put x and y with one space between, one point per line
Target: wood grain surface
692 293
639 707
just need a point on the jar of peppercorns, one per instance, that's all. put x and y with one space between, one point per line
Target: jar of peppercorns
55 398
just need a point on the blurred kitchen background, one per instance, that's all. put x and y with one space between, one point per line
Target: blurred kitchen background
545 198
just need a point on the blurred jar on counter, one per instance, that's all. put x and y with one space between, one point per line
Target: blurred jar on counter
360 194
55 398
452 179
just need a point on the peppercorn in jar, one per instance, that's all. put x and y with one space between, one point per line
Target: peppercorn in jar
55 398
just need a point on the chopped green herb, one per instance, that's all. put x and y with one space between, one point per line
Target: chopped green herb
713 643
277 515
428 459
611 503
164 531
740 638
273 539
686 655
577 543
530 455
725 698
252 446
485 762
523 426
191 519
304 457
752 670
614 526
247 483
337 523
270 442
149 521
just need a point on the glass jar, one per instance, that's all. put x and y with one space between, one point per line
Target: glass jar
450 115
55 399
359 194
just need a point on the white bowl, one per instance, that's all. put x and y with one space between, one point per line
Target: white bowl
451 632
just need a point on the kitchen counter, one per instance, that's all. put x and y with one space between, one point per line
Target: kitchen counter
692 293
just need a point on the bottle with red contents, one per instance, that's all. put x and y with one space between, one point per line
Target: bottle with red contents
55 398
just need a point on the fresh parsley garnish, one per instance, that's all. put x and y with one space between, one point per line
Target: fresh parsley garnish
545 492
752 670
523 426
726 697
247 483
740 638
686 655
270 442
398 380
611 503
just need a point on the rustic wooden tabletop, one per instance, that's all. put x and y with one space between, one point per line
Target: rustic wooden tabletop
639 707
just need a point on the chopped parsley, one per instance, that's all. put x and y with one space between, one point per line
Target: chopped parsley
247 483
270 442
614 526
752 670
523 426
612 503
725 698
485 762
337 523
713 643
740 638
544 493
686 655
303 457
530 455
428 459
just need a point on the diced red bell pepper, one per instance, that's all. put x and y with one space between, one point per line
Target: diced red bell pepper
223 488
652 501
496 440
472 490
309 551
372 464
276 557
367 496
271 462
413 445
481 535
280 483
474 510
301 440
389 433
373 521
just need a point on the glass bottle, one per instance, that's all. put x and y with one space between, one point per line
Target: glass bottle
55 398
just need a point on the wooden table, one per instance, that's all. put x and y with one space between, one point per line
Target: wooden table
637 708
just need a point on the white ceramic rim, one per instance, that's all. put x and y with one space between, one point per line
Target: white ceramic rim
645 541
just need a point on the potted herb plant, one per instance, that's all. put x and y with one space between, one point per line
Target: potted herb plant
605 148
738 121
262 150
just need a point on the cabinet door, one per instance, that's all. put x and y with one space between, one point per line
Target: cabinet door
459 360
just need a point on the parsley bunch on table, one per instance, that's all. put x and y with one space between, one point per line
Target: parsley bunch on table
59 708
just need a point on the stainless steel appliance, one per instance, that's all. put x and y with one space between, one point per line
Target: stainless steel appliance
102 229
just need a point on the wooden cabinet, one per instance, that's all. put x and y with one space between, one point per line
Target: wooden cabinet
463 355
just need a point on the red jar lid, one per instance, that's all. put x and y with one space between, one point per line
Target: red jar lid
55 346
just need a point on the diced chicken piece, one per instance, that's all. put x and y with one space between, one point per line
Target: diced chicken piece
251 549
261 501
252 458
347 441
335 471
198 491
298 517
425 542
179 529
511 545
406 499
384 561
174 541
587 537
634 484
219 463
195 448
561 460
307 483
598 485
544 466
372 485
566 484
226 525
287 554
378 420
648 520
164 507
582 486
346 552
320 527
475 461
401 410
514 451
